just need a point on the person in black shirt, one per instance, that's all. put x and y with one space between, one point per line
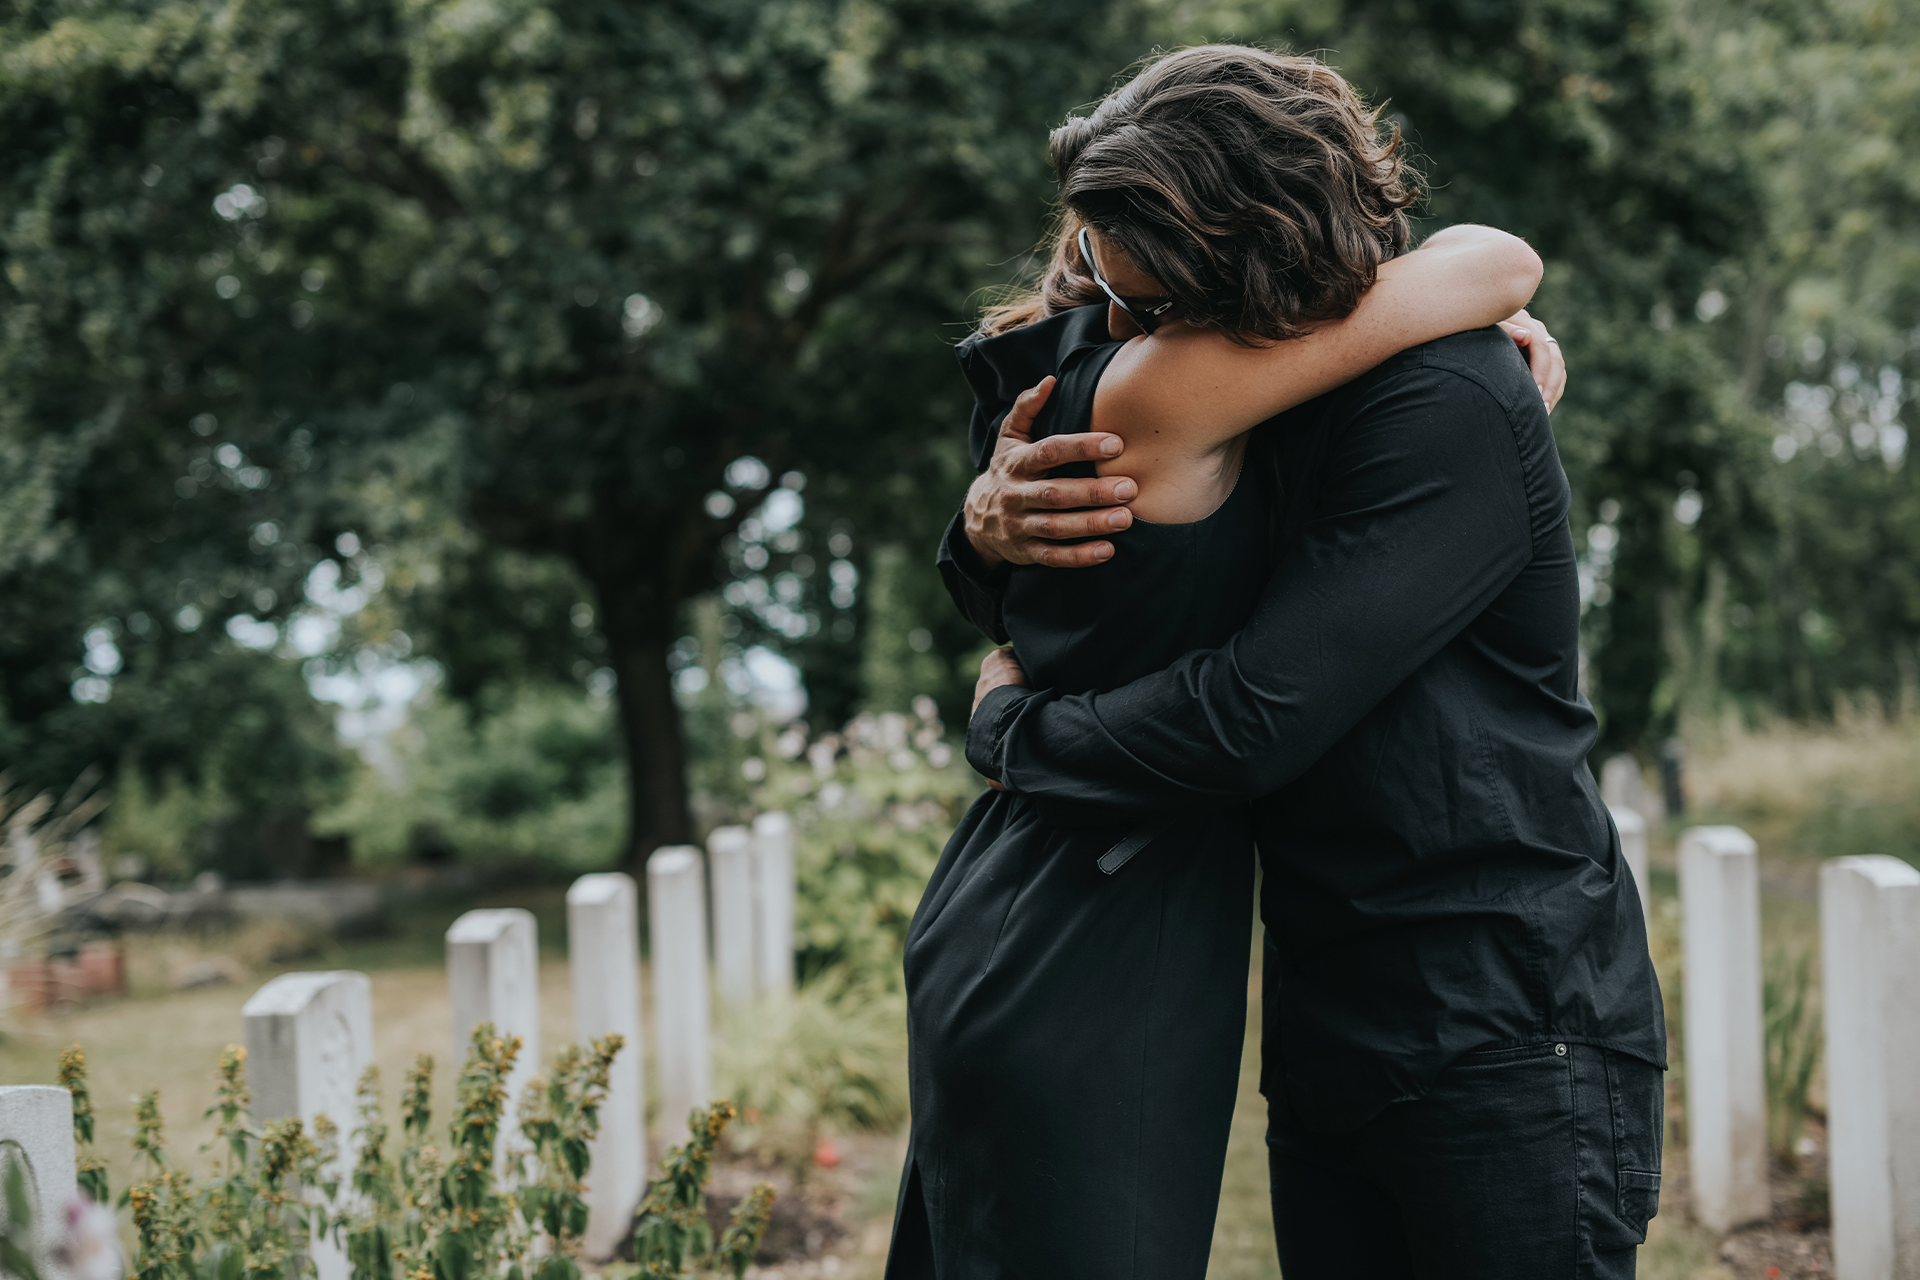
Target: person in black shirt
1463 1035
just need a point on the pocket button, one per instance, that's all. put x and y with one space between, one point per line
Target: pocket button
1560 1050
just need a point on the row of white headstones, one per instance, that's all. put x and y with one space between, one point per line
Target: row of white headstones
1870 985
309 1036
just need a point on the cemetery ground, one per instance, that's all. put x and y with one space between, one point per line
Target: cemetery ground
1804 796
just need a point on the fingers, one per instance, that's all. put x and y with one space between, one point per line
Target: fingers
1005 666
1540 364
1548 363
1556 383
1544 361
1018 427
1057 526
1082 555
1055 451
1068 494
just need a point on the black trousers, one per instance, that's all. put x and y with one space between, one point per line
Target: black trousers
1533 1163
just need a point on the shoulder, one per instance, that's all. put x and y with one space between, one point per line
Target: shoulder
1488 359
1465 394
1000 366
1461 364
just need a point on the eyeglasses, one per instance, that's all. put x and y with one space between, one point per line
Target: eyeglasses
1147 317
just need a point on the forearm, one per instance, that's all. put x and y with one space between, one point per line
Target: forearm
978 589
1464 278
1233 723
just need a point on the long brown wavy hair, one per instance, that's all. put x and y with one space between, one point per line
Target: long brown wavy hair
1257 187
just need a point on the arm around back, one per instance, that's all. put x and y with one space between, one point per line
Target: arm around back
1184 389
1421 518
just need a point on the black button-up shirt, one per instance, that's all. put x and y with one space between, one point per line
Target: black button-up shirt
1403 711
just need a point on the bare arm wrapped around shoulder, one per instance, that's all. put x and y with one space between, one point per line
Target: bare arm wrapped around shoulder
1183 398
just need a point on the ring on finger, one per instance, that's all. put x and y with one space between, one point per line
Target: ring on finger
1553 341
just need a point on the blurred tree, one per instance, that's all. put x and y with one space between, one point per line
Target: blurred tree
533 322
142 539
589 275
1819 317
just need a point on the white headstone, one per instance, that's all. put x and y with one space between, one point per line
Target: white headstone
36 1132
1870 968
773 902
1633 847
1725 1039
1622 785
603 947
309 1036
493 975
682 1012
730 859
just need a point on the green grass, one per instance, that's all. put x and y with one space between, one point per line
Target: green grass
1243 1233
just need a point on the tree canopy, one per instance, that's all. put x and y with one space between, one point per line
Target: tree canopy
549 270
498 334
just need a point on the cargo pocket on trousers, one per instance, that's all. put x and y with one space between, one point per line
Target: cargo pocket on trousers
1638 1094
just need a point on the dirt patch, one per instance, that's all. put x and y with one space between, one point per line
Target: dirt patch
1796 1241
833 1223
799 1229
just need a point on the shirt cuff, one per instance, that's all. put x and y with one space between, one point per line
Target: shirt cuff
988 725
976 587
956 550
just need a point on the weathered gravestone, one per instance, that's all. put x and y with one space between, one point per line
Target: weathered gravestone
682 1012
309 1036
603 945
36 1133
1633 847
1624 786
730 859
1870 968
773 883
1725 1041
493 975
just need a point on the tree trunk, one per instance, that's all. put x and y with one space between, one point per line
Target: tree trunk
650 730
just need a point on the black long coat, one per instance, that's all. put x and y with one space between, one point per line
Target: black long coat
1076 980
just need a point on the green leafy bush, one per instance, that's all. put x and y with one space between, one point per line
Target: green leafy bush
92 1169
672 1232
470 1212
873 806
536 776
250 1219
828 1058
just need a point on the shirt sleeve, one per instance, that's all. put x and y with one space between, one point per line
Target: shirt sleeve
979 590
1421 520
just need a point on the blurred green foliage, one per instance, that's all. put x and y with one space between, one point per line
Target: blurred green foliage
548 271
1793 1040
535 779
832 1058
576 348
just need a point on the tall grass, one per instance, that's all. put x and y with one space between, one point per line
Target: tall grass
1815 790
1793 1045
